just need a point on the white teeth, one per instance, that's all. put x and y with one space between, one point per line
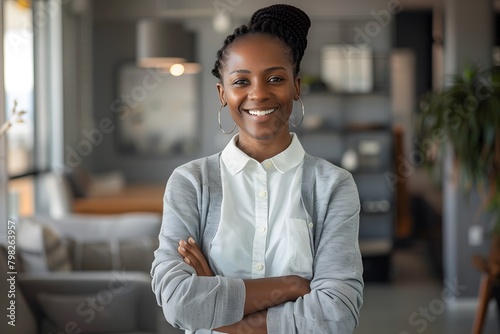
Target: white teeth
260 112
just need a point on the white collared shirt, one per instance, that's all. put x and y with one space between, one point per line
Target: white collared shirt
263 230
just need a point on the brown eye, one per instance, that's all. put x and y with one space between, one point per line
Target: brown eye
275 79
240 82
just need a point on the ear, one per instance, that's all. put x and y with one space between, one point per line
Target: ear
296 85
220 91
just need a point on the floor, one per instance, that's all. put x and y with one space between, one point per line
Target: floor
414 302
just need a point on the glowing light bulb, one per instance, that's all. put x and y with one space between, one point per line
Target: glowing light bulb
177 70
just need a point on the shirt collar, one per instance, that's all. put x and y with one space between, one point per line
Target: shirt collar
235 159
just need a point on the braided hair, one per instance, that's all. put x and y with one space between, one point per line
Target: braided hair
285 22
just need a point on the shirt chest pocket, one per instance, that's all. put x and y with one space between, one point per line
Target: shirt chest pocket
300 259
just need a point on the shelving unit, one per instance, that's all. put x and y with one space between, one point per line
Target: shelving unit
340 122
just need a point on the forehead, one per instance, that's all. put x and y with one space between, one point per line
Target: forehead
257 51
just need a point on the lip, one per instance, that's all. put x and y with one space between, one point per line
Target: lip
265 119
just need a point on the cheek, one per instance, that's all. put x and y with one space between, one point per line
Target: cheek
235 98
234 102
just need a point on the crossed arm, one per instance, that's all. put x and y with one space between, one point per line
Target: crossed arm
260 294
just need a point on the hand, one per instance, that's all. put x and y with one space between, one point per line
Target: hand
193 256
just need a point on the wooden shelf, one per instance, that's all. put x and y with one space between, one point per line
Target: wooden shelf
133 198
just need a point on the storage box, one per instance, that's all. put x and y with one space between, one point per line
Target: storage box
347 68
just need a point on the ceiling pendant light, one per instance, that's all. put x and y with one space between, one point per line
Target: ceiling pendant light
189 65
160 43
166 46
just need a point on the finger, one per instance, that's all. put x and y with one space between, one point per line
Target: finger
188 257
196 258
183 251
184 248
195 250
193 262
187 249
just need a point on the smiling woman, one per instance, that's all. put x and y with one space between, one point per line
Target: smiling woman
261 237
260 94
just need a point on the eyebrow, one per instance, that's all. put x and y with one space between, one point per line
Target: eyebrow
270 69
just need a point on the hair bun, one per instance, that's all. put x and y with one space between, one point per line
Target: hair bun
289 17
287 23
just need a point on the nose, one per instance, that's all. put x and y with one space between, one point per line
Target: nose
258 91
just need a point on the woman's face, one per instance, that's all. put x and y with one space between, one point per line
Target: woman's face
259 87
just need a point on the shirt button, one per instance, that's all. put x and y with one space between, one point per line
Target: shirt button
261 229
259 266
310 225
262 194
268 164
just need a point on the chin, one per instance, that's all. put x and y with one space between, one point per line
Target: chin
266 133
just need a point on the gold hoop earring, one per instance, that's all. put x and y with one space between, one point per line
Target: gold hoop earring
302 119
220 125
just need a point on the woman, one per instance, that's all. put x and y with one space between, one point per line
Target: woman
262 237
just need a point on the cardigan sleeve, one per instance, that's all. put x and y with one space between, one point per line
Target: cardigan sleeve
188 301
336 294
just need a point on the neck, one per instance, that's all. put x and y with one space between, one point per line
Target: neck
262 149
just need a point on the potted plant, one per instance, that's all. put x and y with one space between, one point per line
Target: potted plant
466 115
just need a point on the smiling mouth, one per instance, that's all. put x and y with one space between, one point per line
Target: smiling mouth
261 112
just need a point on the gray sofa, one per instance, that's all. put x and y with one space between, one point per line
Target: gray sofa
84 302
84 274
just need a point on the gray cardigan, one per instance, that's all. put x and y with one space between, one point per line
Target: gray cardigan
192 204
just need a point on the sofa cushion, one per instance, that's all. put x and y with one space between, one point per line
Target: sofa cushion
41 248
89 313
138 254
113 254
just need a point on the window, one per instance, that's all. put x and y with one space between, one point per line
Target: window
19 89
19 85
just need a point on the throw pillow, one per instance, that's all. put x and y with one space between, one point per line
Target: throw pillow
88 255
41 248
138 254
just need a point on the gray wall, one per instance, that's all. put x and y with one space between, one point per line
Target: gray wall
468 38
